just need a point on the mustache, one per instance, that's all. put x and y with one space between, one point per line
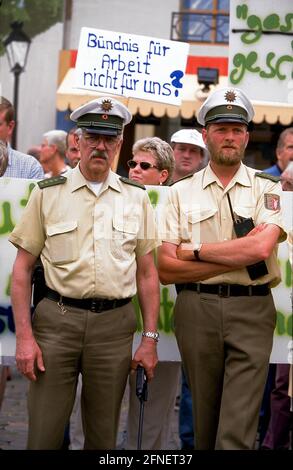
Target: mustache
99 153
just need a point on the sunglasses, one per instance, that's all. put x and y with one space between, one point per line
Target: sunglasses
143 165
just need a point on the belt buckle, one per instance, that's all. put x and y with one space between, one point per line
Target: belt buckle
93 305
96 305
224 290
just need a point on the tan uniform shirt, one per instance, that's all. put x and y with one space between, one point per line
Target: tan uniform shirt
198 212
88 244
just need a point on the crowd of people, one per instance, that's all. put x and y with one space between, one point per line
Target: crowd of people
94 233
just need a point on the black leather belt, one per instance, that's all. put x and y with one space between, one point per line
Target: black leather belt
225 290
97 305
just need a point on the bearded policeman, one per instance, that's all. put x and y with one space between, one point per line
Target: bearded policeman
223 225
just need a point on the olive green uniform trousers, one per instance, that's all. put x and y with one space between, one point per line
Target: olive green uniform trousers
99 345
225 344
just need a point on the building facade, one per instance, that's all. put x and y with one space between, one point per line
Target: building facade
46 89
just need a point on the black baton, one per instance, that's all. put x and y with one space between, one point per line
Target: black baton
141 393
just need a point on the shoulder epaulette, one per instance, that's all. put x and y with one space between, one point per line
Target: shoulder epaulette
52 181
181 179
263 174
132 182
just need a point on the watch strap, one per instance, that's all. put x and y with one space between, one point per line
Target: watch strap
196 252
151 334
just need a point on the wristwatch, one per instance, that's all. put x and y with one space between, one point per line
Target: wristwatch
151 334
196 250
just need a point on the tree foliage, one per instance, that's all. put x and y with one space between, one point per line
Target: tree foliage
37 16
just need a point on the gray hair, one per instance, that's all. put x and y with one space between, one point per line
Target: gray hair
161 151
58 138
282 137
73 131
287 178
3 157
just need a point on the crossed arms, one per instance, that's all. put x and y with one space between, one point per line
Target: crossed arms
176 264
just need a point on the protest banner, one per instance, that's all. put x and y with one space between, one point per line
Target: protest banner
14 194
131 65
260 49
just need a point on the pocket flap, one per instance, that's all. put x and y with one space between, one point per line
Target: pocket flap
127 225
244 211
61 227
194 216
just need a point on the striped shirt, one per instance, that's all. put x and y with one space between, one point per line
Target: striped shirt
21 165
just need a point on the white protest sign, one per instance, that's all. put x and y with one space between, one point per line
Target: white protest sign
261 49
131 65
14 194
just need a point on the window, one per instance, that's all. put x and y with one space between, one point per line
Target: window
205 21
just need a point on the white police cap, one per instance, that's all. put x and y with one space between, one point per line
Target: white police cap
188 136
104 115
226 105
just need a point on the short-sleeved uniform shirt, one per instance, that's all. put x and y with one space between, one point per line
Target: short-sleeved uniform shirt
198 212
88 244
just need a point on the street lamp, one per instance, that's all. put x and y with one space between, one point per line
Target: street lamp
207 76
17 45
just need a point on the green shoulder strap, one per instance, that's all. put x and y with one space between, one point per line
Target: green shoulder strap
133 183
181 179
52 181
267 176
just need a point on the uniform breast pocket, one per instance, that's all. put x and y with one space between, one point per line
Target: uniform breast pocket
195 219
124 236
245 212
62 242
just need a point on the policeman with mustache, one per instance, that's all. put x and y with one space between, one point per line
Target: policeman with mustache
95 233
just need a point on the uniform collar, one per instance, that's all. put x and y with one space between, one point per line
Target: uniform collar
78 180
112 182
241 177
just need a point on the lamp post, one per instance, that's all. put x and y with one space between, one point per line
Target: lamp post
17 46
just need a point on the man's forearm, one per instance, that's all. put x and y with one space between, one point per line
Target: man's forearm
231 253
149 300
173 270
242 251
21 302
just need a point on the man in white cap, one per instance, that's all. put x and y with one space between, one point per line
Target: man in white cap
224 313
189 152
95 233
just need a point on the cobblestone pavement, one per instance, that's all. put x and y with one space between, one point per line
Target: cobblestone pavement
13 417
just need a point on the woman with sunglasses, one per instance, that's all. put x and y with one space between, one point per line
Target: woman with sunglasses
153 164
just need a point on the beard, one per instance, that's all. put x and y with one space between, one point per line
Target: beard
227 156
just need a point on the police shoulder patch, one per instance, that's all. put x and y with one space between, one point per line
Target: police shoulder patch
272 201
181 179
46 183
267 176
131 182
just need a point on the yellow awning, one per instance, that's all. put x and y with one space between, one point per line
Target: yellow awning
71 98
